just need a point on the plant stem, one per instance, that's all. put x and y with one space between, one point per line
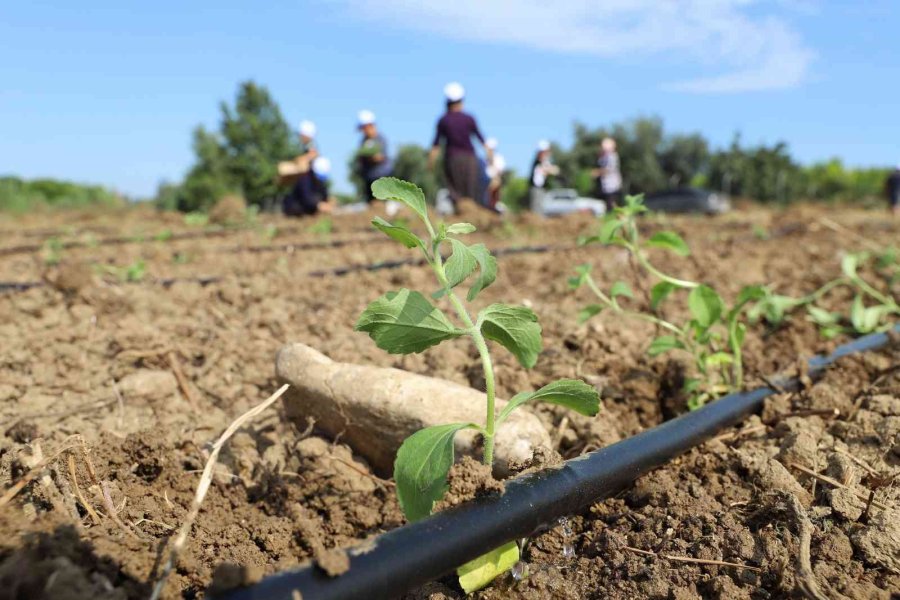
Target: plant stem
592 285
659 274
481 345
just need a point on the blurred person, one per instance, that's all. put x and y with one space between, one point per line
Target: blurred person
310 195
297 172
608 174
372 159
455 130
892 188
495 166
542 169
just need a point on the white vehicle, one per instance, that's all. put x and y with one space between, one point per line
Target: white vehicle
553 203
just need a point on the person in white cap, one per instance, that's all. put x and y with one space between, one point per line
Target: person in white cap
310 194
608 174
455 130
892 188
372 158
542 169
495 166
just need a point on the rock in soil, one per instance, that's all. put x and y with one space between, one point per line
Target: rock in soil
374 409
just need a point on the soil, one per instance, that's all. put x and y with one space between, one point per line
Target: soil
120 387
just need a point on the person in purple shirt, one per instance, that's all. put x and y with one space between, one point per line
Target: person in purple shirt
455 130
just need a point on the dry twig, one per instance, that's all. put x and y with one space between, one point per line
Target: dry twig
806 578
835 483
32 474
90 509
689 559
181 537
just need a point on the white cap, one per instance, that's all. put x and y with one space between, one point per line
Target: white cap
543 145
321 166
308 128
454 91
499 163
490 143
365 117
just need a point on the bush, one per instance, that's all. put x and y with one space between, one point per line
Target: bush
19 195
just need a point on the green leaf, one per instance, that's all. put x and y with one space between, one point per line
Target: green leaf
477 573
404 322
738 331
609 228
664 343
582 272
573 394
516 328
670 241
460 228
461 263
589 311
849 264
705 305
487 269
823 317
398 232
660 292
620 288
857 313
634 205
391 188
718 359
421 467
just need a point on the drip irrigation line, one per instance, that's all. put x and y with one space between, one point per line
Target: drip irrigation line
21 286
366 240
409 556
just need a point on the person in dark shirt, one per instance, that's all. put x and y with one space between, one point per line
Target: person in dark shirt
455 130
372 159
892 187
310 195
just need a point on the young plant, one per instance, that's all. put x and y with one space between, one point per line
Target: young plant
406 321
52 251
871 309
713 336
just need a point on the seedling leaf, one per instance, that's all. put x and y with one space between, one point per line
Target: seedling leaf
404 322
487 266
620 288
581 275
823 317
391 188
589 311
660 292
570 393
664 343
401 233
477 573
421 467
516 328
670 241
718 359
705 305
460 228
461 263
608 230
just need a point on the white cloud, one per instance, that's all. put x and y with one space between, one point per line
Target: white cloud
748 44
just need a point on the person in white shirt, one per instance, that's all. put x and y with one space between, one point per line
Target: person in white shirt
542 169
495 165
608 174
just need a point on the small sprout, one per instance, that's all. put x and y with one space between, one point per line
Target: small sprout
196 219
163 236
324 226
52 251
406 321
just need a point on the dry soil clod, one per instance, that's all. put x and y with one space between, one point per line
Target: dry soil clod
374 409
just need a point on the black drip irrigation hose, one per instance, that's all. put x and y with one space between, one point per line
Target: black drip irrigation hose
409 556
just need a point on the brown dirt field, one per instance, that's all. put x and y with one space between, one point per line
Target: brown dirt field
90 367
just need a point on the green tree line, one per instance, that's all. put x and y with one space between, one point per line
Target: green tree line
20 195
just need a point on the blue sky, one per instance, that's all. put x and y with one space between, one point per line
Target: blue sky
108 92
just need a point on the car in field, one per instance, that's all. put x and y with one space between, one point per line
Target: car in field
688 200
553 203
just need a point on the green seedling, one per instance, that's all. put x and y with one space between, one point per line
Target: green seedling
871 309
324 226
181 258
52 251
406 321
132 273
713 336
270 232
163 236
196 219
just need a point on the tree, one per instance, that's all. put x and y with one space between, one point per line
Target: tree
242 157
